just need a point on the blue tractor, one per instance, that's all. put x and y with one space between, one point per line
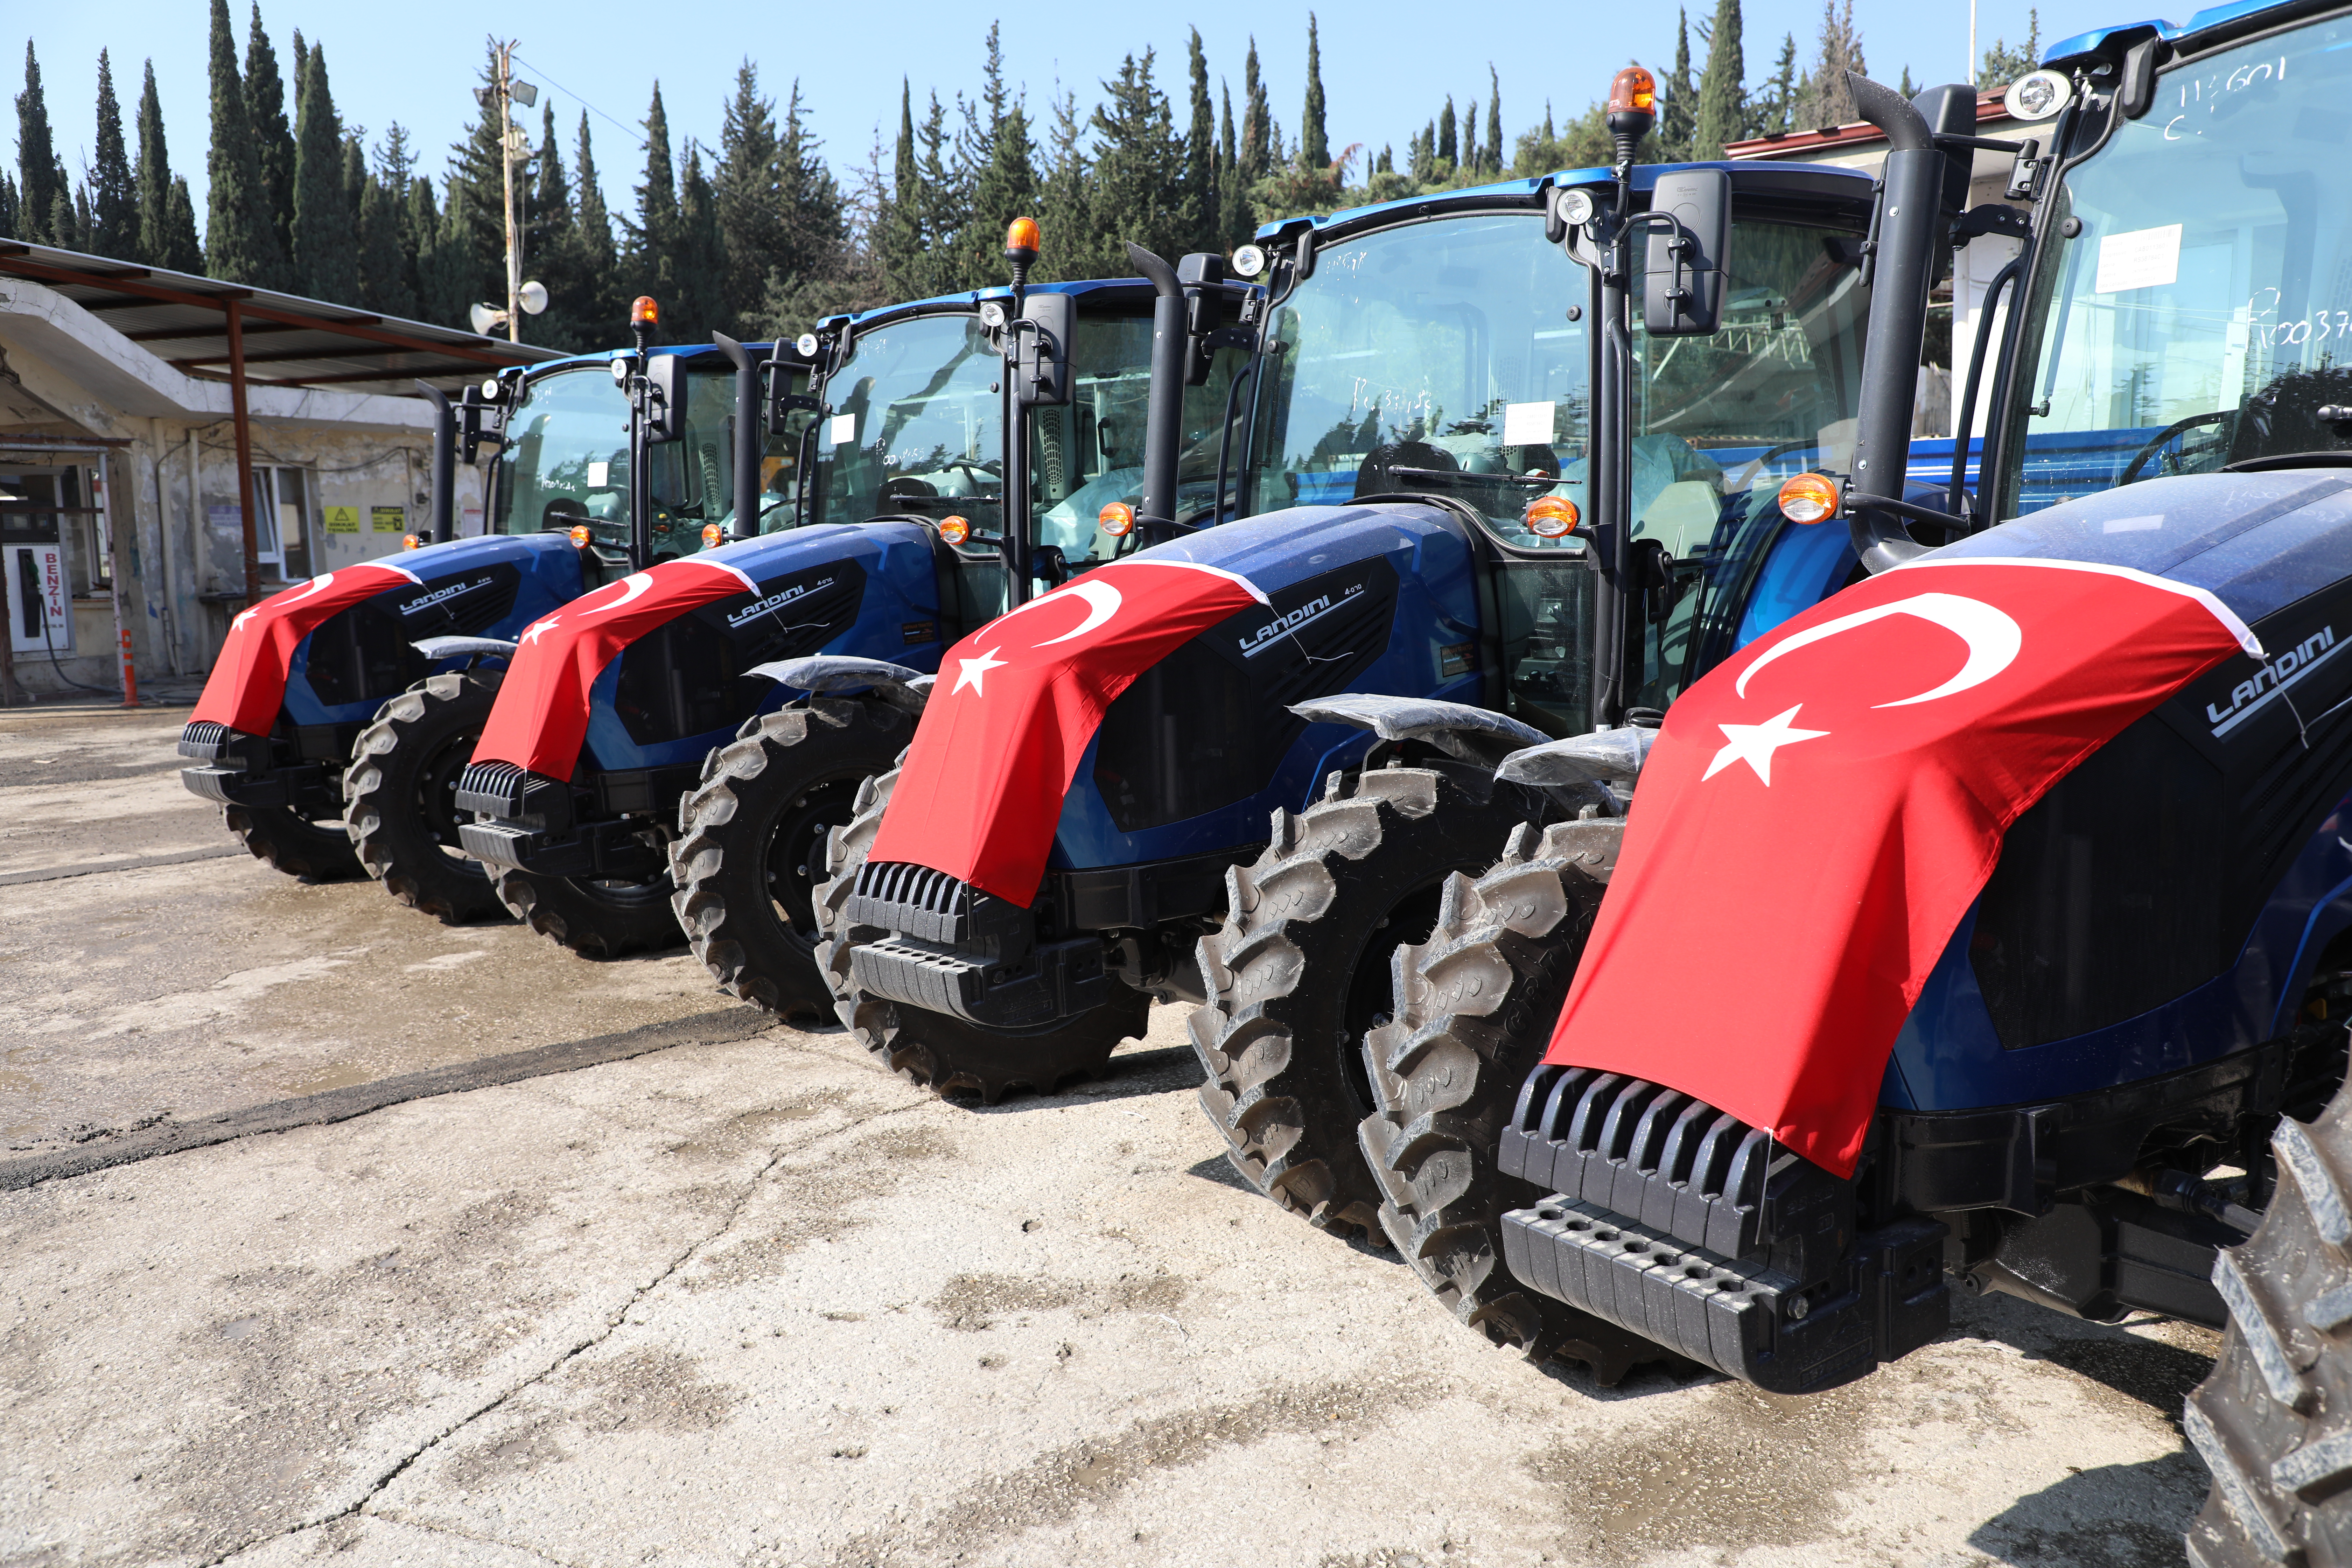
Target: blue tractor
2122 1086
273 739
957 453
1495 502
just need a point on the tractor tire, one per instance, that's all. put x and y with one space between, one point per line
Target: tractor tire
400 792
320 851
1299 973
2273 1421
1474 1008
600 919
943 1053
751 845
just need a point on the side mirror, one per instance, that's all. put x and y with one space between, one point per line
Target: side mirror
1201 274
787 390
1040 355
1682 293
666 405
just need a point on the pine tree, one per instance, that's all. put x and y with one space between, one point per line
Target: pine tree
1448 153
2003 65
383 266
1494 161
273 136
468 254
113 197
1722 99
695 275
1004 173
1421 156
240 235
1065 199
445 275
1826 100
326 264
8 207
1314 141
746 180
40 178
943 200
815 215
656 231
1906 88
1203 204
1678 108
898 245
600 264
1139 169
1777 111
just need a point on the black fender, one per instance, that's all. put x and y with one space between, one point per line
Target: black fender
903 689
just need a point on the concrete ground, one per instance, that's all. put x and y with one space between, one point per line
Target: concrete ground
326 1231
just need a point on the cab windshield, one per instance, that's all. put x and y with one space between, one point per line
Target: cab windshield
566 463
916 428
2202 315
1453 357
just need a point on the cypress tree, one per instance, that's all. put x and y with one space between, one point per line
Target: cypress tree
273 136
355 173
1448 158
182 251
8 207
1314 139
71 227
1777 112
600 263
1722 101
326 266
1234 225
470 249
113 197
656 230
383 266
1421 156
811 199
1470 132
1203 208
1493 160
1678 117
240 236
1257 124
40 180
551 241
746 183
899 240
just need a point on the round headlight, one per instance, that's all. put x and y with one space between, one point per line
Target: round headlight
1575 207
2038 95
1249 261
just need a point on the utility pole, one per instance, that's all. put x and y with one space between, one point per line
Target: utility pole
504 54
1971 77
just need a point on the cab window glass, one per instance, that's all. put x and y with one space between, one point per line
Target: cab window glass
914 427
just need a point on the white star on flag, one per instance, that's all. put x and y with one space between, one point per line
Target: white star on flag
1755 743
536 630
245 616
974 668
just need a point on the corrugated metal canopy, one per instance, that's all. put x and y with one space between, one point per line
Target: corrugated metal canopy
288 341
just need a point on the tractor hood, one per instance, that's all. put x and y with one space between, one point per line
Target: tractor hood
248 684
1838 793
1029 691
802 585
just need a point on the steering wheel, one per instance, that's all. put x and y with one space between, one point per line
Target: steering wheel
2178 426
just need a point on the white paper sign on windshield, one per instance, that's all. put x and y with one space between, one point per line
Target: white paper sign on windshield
845 426
1527 424
600 476
2138 259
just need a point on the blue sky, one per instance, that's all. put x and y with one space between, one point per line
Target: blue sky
1385 68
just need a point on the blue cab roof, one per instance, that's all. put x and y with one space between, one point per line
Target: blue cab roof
2213 19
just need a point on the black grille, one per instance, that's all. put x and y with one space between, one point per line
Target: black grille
914 900
494 789
205 740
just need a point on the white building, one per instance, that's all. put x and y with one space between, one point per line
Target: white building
130 400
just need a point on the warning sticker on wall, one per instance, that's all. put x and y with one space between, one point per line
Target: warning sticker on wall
388 519
2139 259
341 518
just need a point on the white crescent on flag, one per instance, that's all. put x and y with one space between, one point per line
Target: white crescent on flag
1993 640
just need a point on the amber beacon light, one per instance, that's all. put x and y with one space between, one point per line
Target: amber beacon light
644 312
1020 241
1809 497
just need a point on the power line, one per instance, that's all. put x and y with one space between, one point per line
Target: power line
581 101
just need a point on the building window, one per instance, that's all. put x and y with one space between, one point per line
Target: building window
281 524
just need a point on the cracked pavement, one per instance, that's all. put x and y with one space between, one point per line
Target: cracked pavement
752 1300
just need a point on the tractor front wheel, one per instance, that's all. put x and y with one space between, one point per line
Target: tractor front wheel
400 796
293 844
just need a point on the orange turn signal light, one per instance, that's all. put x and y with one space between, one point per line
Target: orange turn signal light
410 542
1021 239
643 312
1809 498
1636 90
1552 517
580 535
955 530
712 535
1117 520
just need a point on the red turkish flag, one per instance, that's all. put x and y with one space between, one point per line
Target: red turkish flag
1814 821
1017 704
248 684
541 716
